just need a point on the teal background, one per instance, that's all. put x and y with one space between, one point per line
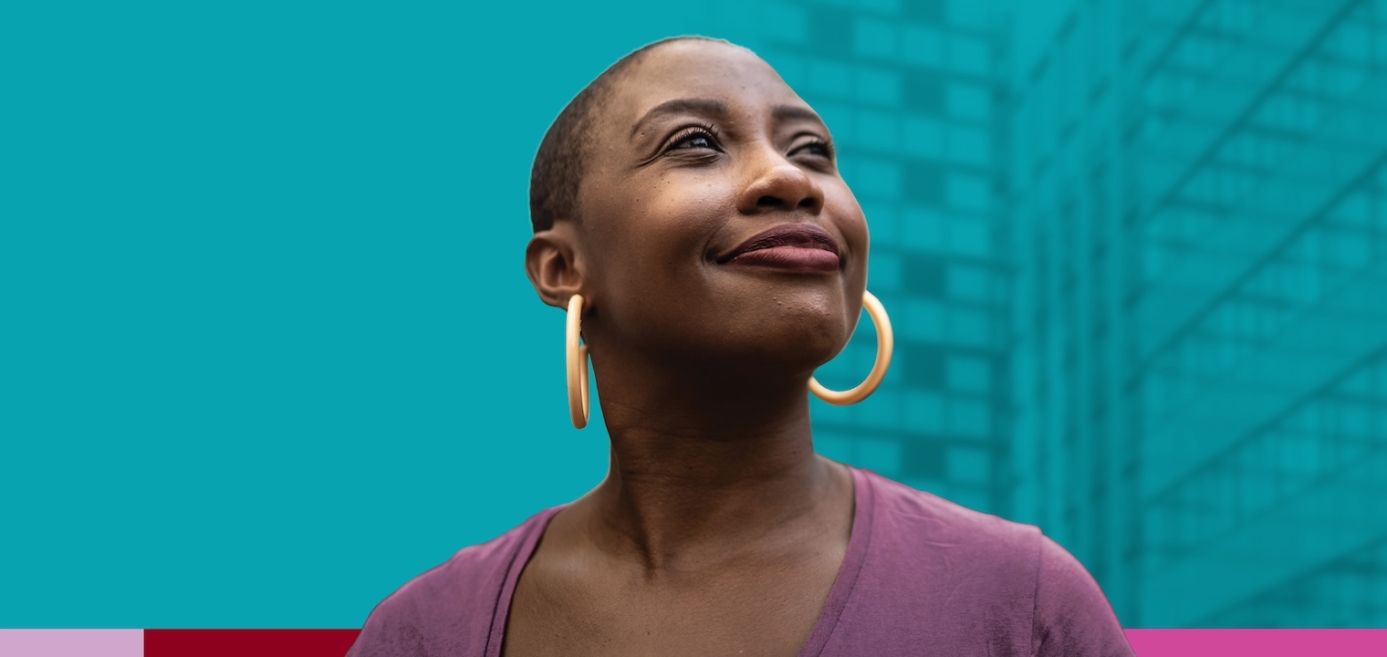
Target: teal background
267 350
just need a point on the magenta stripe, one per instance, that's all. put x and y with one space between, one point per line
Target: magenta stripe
1262 643
72 643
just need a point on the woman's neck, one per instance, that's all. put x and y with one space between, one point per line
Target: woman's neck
709 466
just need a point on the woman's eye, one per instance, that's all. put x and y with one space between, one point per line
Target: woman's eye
816 148
696 140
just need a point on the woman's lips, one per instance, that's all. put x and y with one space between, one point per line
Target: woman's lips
794 258
799 246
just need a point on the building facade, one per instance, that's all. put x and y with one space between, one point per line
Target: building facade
1200 320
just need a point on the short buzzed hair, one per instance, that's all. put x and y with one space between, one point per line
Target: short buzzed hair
557 174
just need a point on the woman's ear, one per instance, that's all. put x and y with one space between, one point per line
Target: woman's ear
551 261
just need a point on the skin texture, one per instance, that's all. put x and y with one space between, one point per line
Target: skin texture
717 531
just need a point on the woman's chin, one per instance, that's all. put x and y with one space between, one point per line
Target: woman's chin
794 331
787 346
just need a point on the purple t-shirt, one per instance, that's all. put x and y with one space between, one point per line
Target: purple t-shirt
922 576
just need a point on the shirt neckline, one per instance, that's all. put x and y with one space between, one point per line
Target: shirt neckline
864 498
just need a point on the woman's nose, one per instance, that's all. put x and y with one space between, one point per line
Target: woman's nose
777 184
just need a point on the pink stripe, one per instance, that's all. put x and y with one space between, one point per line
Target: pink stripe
72 643
1262 643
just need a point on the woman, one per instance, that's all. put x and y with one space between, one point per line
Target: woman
689 215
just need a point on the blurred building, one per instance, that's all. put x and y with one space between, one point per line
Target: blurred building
1197 221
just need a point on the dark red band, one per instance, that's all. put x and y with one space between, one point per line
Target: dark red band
247 643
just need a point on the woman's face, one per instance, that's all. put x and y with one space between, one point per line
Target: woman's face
700 150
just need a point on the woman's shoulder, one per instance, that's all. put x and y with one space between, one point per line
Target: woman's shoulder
923 518
1007 569
482 565
450 607
922 539
918 515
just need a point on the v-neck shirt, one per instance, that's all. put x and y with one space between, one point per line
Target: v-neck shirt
921 575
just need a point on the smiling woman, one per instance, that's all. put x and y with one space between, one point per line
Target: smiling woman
689 213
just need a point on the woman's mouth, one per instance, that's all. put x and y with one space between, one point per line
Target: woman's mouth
789 247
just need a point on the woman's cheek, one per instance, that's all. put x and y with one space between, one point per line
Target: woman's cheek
844 208
688 215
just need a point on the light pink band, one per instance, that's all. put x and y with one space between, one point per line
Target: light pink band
72 643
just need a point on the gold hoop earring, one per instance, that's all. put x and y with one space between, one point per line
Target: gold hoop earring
886 342
577 358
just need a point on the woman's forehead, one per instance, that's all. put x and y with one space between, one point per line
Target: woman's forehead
697 70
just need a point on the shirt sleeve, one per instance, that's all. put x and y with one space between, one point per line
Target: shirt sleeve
390 631
1072 616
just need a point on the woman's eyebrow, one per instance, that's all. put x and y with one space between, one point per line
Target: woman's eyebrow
796 113
704 106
